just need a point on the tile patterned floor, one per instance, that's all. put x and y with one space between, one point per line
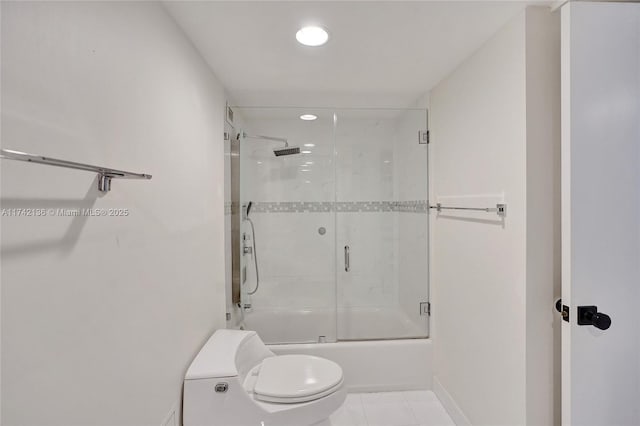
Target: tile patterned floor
410 408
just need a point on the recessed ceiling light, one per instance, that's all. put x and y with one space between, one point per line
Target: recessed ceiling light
310 145
308 117
308 162
312 36
304 170
306 152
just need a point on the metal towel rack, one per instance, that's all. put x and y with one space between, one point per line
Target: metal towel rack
500 209
105 174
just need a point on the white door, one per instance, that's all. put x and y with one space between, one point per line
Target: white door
601 212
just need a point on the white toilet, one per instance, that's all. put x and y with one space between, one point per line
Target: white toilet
235 380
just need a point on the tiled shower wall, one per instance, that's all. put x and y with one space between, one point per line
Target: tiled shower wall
305 212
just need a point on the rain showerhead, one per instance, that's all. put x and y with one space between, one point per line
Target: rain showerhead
287 150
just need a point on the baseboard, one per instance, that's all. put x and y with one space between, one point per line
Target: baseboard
449 404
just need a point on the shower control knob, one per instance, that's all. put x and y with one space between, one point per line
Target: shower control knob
589 315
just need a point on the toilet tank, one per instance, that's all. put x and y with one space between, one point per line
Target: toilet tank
213 393
228 353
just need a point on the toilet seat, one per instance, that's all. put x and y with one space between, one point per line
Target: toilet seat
289 379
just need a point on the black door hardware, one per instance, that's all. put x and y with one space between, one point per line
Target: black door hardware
563 309
589 315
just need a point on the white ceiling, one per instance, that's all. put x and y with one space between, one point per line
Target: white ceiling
378 54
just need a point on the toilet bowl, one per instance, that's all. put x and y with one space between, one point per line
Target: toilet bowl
235 380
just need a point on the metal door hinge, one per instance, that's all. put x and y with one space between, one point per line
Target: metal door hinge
228 316
425 308
423 137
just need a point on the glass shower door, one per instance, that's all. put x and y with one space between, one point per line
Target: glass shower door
382 224
293 224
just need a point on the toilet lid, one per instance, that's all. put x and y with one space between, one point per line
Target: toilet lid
296 378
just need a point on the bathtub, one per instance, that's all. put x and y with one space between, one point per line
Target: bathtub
313 325
369 365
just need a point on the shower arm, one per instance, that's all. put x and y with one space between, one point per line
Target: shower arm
269 138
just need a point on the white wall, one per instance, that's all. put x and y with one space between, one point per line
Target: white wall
102 315
492 296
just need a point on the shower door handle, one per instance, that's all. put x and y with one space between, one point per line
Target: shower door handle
347 265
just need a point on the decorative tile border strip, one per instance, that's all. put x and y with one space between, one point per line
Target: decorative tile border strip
293 207
413 206
364 206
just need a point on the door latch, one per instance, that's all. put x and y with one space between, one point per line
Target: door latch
563 309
